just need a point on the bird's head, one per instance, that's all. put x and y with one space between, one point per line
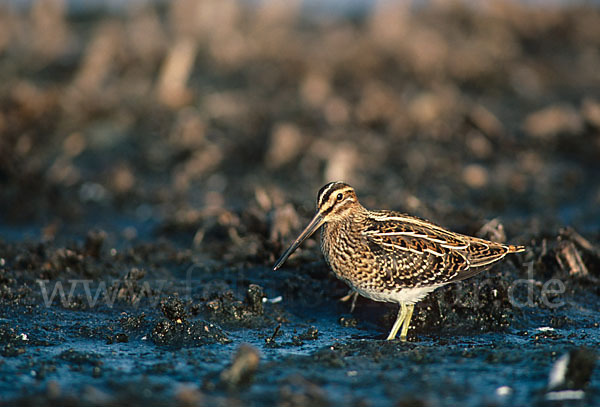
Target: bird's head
335 201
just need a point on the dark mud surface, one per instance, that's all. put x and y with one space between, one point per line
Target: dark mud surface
155 162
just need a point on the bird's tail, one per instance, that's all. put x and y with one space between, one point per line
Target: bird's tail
515 249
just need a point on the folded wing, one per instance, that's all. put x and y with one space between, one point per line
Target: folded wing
413 252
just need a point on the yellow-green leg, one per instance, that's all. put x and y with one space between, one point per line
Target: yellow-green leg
399 320
406 323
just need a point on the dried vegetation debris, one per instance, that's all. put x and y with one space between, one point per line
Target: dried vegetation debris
569 256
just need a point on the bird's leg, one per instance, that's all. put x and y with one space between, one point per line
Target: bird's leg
399 320
353 302
406 323
351 295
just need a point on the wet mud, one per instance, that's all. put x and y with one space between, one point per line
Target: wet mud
155 161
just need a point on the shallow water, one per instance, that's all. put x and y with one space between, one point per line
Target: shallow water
342 365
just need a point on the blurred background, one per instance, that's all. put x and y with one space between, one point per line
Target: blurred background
215 122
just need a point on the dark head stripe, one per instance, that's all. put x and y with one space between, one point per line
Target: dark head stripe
338 206
325 192
329 189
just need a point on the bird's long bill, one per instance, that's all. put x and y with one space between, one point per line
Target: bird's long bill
314 224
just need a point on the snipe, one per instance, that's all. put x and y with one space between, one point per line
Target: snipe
390 256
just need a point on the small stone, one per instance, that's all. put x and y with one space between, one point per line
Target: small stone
96 372
590 111
348 322
572 371
53 389
504 391
553 121
254 298
94 242
243 367
188 396
121 338
285 145
173 309
311 333
475 176
493 230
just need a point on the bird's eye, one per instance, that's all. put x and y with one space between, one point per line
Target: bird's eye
339 197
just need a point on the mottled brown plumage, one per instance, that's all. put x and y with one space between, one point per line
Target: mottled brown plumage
393 257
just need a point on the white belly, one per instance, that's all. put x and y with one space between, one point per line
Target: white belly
404 295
